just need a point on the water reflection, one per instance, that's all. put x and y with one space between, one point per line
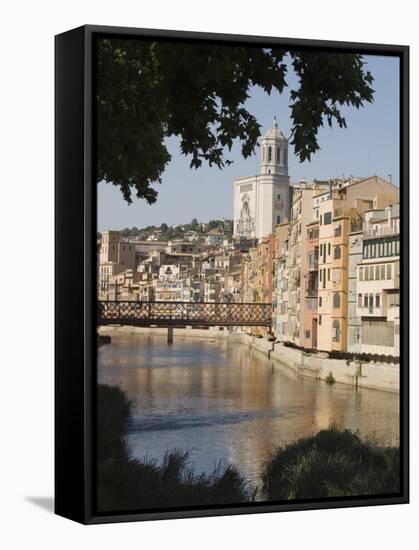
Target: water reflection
223 401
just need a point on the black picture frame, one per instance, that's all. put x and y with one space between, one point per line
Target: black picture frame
75 274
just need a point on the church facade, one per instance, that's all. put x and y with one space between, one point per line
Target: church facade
263 201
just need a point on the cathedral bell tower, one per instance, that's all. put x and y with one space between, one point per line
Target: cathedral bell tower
274 151
263 201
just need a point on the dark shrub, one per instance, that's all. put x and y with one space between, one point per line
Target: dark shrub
329 464
113 416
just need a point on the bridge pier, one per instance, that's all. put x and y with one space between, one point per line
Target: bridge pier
170 334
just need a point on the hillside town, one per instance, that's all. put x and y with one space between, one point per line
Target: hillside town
324 253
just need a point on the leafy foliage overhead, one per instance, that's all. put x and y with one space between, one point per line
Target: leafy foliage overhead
148 91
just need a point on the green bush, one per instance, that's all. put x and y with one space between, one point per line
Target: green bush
114 410
330 379
142 484
330 464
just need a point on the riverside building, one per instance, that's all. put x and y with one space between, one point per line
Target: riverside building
378 282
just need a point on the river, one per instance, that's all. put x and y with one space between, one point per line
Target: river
224 402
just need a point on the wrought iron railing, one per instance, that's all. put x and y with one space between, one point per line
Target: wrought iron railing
184 313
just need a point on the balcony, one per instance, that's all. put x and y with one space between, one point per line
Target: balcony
393 312
380 232
311 291
311 304
355 227
313 262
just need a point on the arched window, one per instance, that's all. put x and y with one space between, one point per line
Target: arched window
269 153
336 300
278 155
336 331
338 253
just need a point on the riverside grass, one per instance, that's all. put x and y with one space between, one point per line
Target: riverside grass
332 463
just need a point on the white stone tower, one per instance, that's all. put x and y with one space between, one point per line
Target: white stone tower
263 201
274 150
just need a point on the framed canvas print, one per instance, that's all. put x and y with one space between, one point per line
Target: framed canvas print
231 274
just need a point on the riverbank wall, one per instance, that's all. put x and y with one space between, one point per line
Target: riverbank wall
372 375
126 333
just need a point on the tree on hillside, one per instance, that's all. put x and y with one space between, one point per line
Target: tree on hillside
213 224
148 91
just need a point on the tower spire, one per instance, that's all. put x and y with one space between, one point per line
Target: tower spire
275 122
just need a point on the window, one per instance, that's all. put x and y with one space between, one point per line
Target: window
371 269
279 196
388 271
278 219
336 331
365 300
371 301
377 272
382 272
320 301
338 253
321 272
359 300
327 218
381 250
278 155
361 273
328 274
321 219
377 300
394 299
321 249
336 300
320 319
328 249
307 334
269 153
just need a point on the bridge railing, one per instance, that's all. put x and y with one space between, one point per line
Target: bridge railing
188 313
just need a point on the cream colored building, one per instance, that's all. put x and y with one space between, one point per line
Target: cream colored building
115 256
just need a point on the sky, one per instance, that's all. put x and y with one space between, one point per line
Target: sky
369 145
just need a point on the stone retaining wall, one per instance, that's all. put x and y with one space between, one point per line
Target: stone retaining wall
120 333
378 376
